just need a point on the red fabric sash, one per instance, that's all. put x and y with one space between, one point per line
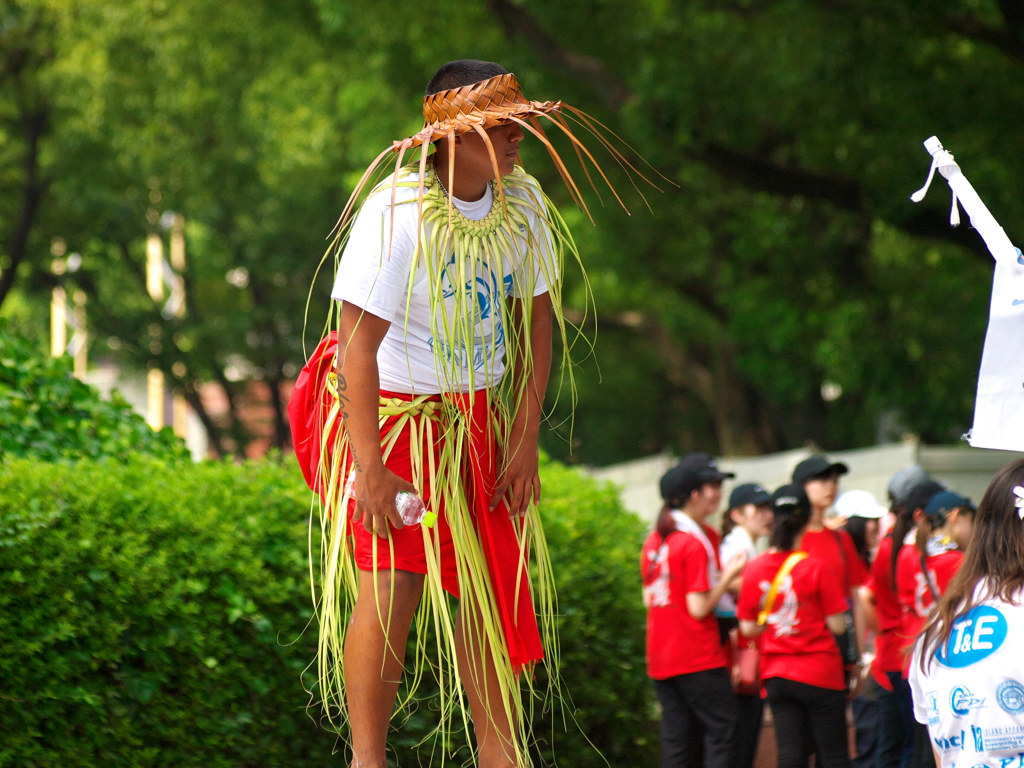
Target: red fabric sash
497 533
307 410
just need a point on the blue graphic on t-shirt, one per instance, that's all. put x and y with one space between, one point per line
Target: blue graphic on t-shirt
975 636
1011 697
962 701
979 738
932 699
954 743
487 292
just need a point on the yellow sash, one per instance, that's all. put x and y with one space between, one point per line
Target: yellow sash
769 600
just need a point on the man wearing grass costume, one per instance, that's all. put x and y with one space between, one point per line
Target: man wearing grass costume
448 292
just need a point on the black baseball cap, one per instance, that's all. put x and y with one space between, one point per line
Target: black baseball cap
749 493
808 469
791 500
944 502
679 482
921 494
705 465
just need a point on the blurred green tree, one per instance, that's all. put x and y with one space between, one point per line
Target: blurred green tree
47 414
784 290
787 290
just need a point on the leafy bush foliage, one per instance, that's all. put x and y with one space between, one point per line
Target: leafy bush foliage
595 551
149 614
158 614
47 413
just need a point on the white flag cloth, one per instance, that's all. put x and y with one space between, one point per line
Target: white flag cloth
999 405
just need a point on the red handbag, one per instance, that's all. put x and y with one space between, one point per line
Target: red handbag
308 407
748 662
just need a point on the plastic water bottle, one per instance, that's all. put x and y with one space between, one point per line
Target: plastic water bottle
413 511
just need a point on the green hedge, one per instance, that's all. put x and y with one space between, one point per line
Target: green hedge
156 614
595 550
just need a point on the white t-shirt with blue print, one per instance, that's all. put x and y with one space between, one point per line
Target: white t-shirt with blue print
374 275
971 696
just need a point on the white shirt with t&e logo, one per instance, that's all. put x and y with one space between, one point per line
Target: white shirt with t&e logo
971 694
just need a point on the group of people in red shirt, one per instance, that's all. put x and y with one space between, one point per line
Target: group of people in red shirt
710 602
912 568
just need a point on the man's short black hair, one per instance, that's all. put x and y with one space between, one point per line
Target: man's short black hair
456 74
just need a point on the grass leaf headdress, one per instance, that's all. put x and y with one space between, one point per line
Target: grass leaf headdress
490 103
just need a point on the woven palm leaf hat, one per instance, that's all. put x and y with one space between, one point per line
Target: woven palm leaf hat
496 101
481 105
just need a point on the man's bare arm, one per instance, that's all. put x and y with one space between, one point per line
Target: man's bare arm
519 476
359 393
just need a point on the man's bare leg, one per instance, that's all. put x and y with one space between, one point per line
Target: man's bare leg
374 660
494 737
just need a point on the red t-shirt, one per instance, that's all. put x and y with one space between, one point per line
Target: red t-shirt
836 550
888 643
796 644
914 595
678 644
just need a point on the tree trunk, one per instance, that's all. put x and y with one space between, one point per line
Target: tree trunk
34 124
282 433
213 432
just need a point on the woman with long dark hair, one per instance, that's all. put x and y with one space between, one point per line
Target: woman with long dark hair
923 573
799 603
895 719
967 675
925 569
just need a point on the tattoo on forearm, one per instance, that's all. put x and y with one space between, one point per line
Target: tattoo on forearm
343 400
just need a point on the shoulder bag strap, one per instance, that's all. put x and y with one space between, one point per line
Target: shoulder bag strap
842 548
654 563
928 579
769 600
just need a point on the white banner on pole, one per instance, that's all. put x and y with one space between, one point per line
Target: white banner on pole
999 405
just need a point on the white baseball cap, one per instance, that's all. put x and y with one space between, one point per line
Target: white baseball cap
859 504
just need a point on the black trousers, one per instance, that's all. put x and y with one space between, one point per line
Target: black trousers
808 719
924 757
865 721
749 710
895 724
699 701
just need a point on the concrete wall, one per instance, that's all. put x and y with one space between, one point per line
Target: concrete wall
965 469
